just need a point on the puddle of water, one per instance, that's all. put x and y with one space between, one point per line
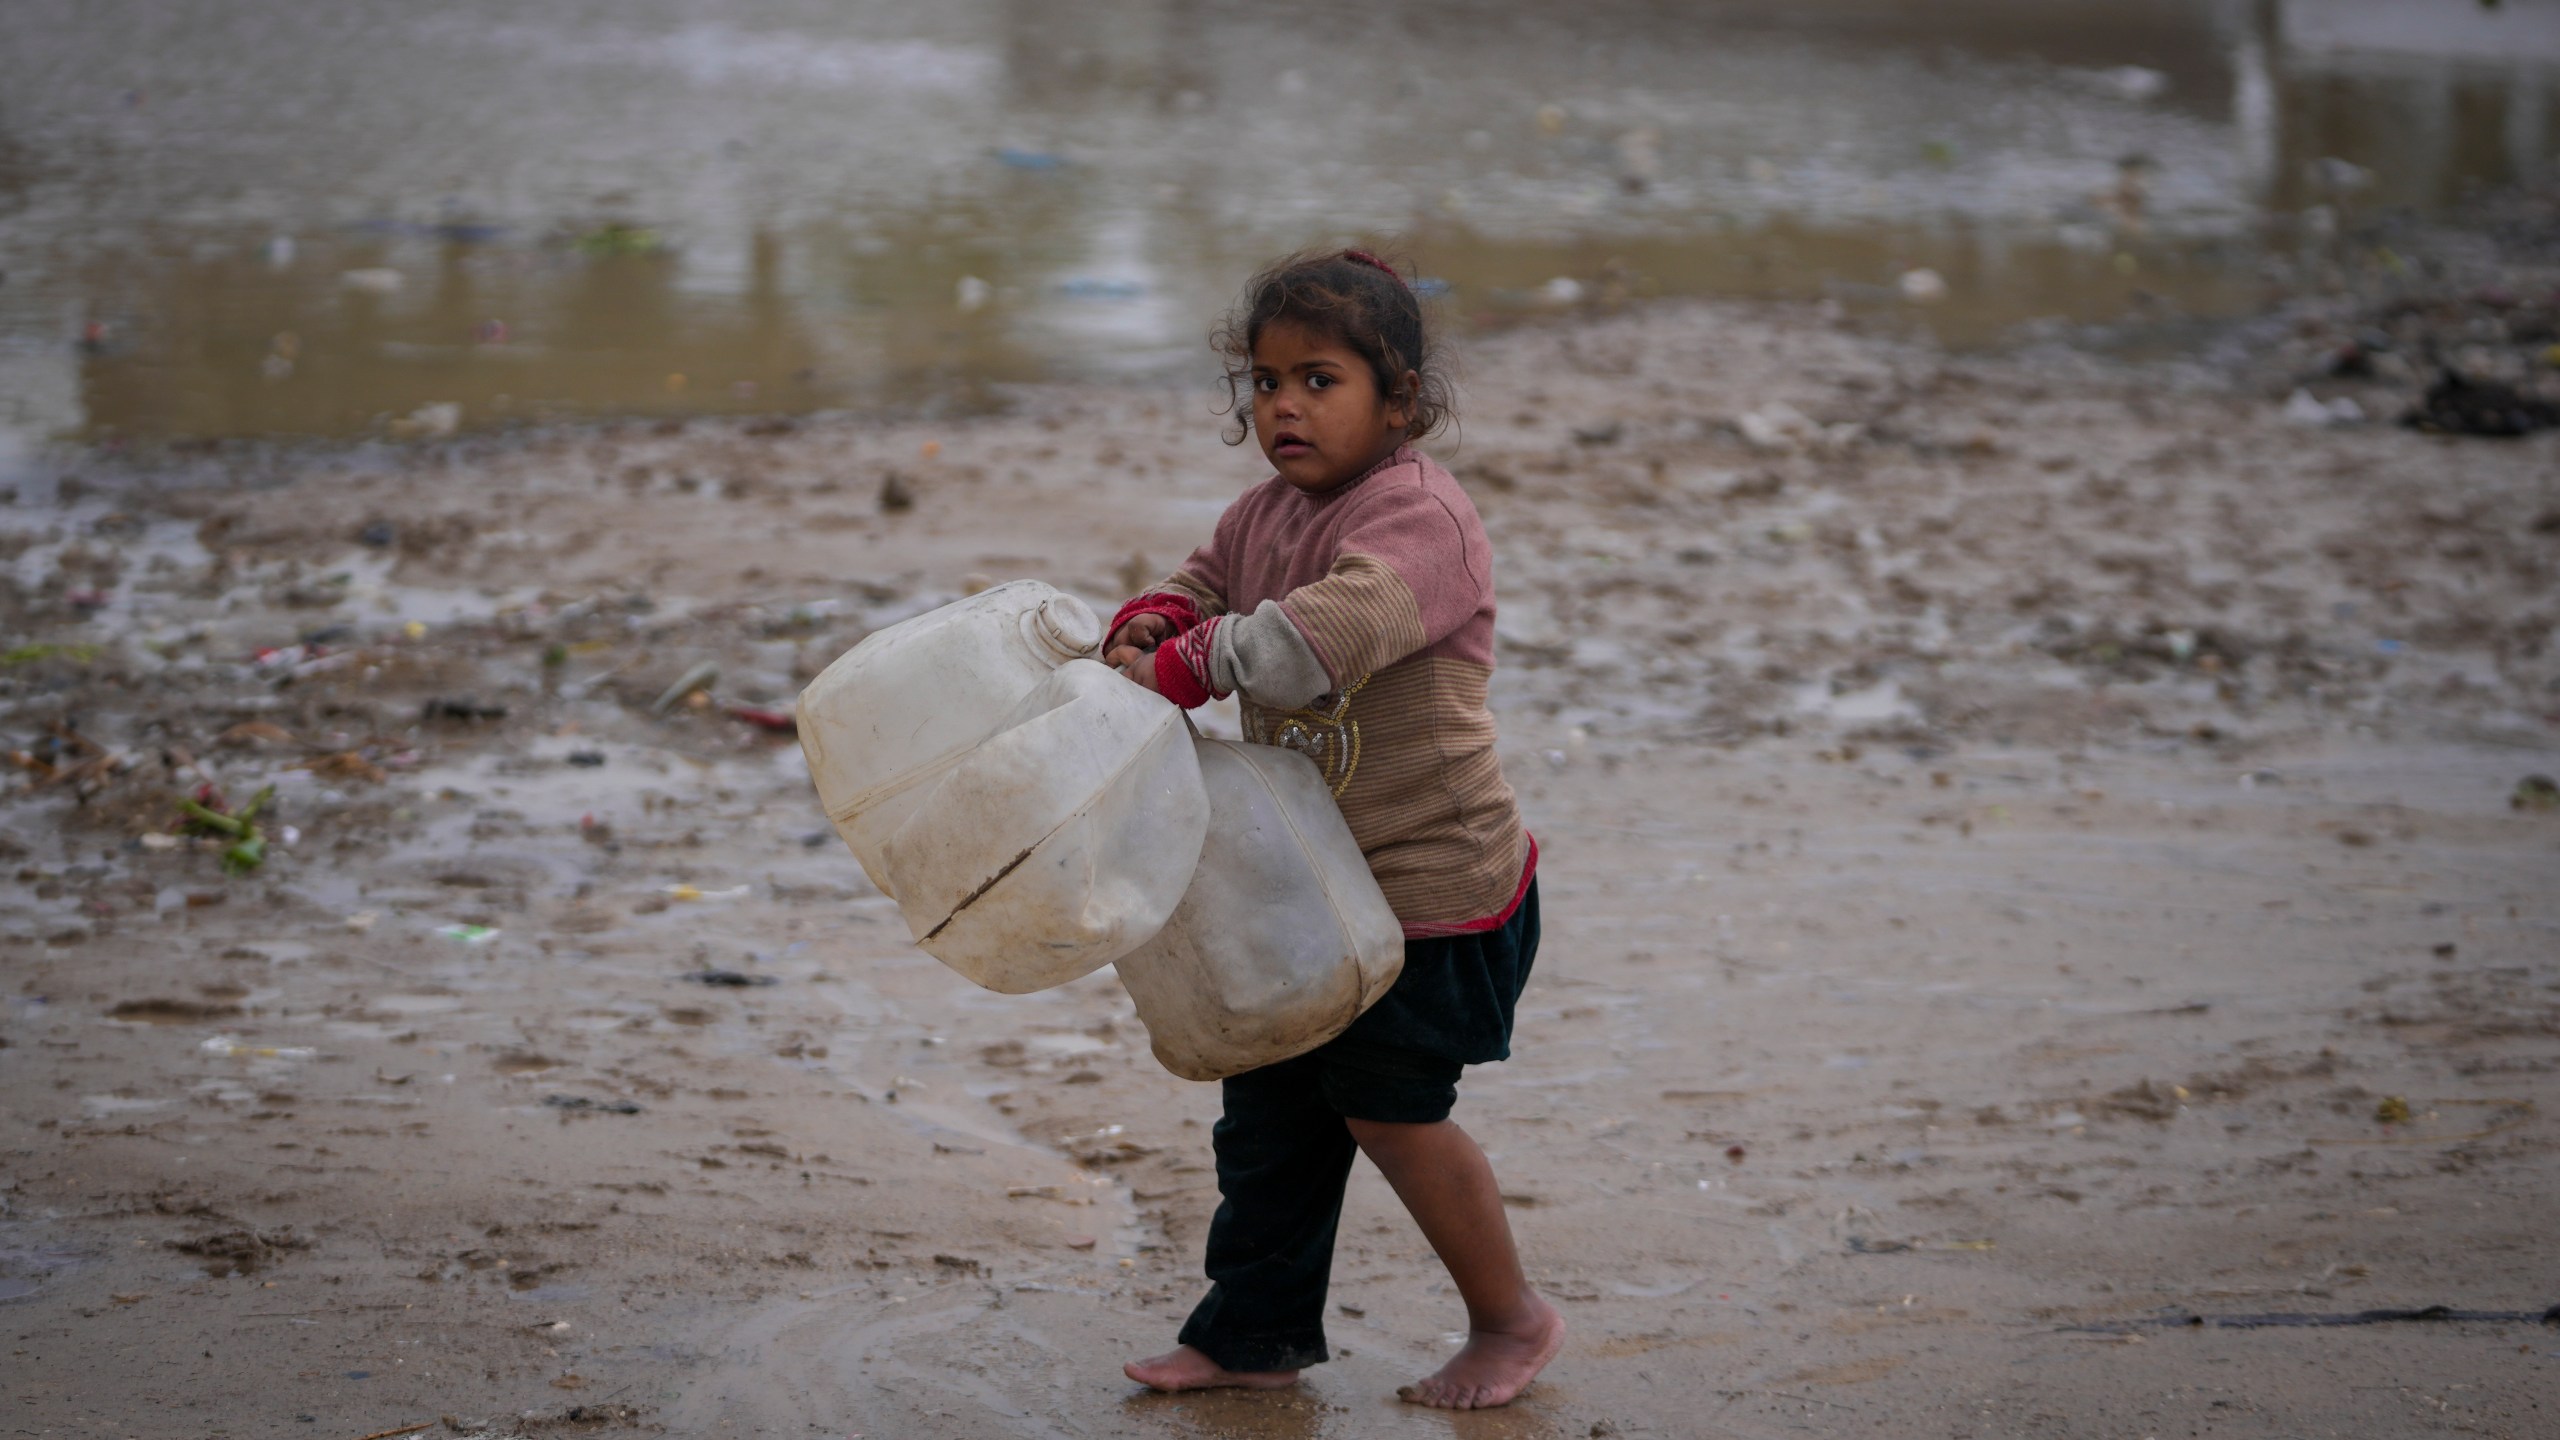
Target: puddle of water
264 223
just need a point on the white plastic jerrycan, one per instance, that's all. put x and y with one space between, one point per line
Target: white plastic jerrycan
1058 843
1283 938
895 711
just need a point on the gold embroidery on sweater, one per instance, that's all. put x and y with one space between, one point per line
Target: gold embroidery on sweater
1329 737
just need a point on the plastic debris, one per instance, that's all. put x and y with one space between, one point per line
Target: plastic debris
2459 405
781 722
1091 288
235 1046
2306 409
372 280
586 759
692 892
461 707
469 934
615 238
730 979
1922 286
972 294
601 1107
1034 160
206 815
428 422
895 494
700 677
1562 290
2394 1110
2535 792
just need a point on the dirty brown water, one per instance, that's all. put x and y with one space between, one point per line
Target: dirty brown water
245 219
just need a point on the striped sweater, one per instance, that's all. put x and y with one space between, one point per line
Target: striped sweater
1356 627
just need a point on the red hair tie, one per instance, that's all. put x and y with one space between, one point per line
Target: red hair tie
1363 257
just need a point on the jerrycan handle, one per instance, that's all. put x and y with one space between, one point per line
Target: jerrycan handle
1062 628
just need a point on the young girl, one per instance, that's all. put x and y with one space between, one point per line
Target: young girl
1349 601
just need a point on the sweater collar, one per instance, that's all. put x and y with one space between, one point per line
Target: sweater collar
1401 455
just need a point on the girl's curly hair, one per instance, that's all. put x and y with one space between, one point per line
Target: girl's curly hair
1350 296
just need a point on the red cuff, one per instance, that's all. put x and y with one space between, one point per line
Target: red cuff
1178 609
1175 682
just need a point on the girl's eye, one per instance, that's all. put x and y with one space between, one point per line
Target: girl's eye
1266 384
1319 381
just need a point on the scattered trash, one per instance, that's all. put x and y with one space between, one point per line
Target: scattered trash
206 815
581 1102
2336 176
461 707
1551 119
2535 792
730 979
428 422
972 294
233 1045
372 280
361 921
1776 426
586 759
1639 157
781 722
689 892
700 677
1605 433
1034 160
469 934
895 494
1734 1153
2394 1110
2459 405
1922 286
2136 83
615 238
1089 288
2309 410
1562 290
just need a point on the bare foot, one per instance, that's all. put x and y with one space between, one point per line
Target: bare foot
1494 1366
1188 1369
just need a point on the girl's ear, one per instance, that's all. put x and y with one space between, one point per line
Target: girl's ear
1400 405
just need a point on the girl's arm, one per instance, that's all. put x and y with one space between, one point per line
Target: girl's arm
1406 575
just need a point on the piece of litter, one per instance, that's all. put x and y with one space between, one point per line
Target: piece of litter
700 677
691 892
234 1045
581 1102
469 934
730 978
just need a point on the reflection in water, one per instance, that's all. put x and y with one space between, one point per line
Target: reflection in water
268 223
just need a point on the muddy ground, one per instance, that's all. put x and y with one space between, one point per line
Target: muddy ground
2034 852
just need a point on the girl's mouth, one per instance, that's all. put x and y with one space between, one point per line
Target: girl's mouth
1291 445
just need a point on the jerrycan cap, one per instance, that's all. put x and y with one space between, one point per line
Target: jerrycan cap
1064 627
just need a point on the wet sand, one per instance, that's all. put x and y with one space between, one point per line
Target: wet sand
2009 839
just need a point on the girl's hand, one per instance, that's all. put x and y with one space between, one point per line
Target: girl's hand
1138 665
1143 632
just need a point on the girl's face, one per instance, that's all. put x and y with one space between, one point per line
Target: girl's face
1317 410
